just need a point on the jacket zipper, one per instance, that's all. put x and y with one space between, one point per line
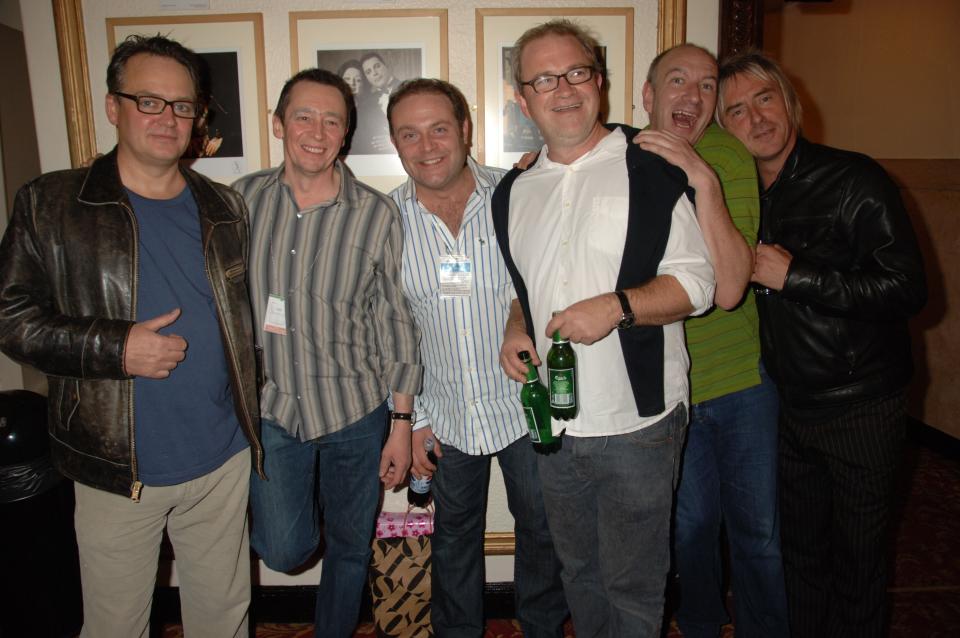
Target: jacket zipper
136 486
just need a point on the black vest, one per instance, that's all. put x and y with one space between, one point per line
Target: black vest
655 186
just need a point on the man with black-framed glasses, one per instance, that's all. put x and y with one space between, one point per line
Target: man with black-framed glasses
153 105
125 283
603 247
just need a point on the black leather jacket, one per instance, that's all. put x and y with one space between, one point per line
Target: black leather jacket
68 277
837 332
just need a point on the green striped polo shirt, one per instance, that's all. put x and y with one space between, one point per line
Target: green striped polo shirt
725 346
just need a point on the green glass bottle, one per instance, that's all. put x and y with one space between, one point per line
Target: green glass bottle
562 378
536 409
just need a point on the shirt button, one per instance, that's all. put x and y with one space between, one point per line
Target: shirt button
293 251
299 216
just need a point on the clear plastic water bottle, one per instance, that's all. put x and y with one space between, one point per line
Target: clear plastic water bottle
418 492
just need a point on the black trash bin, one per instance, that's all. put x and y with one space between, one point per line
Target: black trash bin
39 569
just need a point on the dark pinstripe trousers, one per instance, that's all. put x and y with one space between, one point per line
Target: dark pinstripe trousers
836 488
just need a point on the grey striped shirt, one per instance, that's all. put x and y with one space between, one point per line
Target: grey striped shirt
350 336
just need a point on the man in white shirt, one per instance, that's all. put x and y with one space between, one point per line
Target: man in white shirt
604 248
460 293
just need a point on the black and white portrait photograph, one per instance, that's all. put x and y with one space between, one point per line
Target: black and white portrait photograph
220 133
372 75
231 138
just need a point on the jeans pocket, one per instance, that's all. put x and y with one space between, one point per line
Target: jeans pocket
664 432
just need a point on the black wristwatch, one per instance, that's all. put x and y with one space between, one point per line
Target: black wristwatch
403 416
627 319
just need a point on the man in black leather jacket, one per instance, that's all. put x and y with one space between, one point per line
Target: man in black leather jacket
839 273
106 275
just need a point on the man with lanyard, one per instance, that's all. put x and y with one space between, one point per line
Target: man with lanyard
337 337
460 293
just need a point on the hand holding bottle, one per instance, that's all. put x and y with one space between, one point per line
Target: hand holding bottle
424 463
418 492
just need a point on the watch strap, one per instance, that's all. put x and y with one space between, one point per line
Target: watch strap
624 302
401 416
627 318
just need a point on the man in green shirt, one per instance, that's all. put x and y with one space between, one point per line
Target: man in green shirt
729 474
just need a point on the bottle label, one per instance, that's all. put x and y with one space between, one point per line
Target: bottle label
562 387
419 485
532 424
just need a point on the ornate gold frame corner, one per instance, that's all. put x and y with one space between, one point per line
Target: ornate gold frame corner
74 75
672 25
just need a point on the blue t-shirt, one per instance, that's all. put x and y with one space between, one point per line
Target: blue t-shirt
185 425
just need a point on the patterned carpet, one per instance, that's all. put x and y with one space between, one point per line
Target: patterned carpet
925 589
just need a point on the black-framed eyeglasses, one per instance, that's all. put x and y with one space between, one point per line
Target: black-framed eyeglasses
153 105
549 81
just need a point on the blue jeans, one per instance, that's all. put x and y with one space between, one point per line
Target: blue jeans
609 501
460 494
729 480
335 476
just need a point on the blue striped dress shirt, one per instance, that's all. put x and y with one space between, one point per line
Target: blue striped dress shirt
467 399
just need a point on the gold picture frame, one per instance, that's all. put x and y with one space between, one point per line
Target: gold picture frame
504 133
393 45
236 141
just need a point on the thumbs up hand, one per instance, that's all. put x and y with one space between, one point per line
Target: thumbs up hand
150 354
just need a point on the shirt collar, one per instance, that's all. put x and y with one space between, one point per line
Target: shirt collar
613 144
483 180
343 194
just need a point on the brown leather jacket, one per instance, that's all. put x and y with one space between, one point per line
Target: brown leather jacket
68 277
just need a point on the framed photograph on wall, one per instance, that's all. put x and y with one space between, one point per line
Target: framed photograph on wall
374 51
504 133
231 139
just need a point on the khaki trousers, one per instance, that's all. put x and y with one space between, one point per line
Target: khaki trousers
119 542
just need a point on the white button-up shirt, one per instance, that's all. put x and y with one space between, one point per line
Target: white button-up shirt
567 229
467 399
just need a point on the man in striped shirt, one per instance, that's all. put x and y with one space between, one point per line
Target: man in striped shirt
337 337
460 293
729 472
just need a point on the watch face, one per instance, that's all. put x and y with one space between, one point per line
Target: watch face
626 322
